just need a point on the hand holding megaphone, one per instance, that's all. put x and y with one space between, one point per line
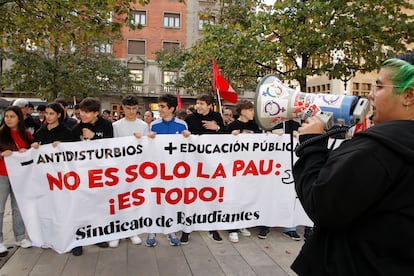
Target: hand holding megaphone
275 102
312 125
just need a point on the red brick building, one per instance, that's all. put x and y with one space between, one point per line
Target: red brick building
162 25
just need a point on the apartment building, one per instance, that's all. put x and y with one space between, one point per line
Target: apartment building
164 24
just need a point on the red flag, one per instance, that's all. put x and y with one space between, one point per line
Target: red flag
219 83
179 101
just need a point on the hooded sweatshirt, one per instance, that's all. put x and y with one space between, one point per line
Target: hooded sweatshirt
195 122
361 198
102 129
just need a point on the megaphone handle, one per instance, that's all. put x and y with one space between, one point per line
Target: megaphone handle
321 137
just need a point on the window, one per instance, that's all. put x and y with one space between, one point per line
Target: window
136 47
171 20
104 49
140 18
116 111
137 76
202 21
170 46
30 46
170 77
110 17
366 86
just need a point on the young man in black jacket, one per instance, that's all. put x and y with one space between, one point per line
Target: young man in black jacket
91 127
204 121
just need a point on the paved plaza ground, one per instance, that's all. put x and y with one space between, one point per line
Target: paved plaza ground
202 256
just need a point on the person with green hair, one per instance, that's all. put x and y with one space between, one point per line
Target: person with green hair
361 195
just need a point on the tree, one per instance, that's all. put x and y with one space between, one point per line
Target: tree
308 34
58 38
300 38
228 41
66 75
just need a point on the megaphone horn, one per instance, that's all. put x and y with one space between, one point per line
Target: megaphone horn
275 102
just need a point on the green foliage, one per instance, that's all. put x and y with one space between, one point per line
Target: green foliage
60 23
366 32
52 44
66 75
295 39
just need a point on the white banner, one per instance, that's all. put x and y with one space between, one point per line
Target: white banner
86 192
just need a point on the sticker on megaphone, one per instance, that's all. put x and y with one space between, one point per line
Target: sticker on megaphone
325 117
311 111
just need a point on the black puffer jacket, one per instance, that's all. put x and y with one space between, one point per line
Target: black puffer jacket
361 199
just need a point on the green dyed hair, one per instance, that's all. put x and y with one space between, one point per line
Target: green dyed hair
402 74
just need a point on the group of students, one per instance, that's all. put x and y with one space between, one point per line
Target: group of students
360 196
59 127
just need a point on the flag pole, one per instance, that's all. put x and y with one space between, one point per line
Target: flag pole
219 101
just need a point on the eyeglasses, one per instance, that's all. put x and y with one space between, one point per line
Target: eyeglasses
377 85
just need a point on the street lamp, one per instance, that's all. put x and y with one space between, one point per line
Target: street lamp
338 56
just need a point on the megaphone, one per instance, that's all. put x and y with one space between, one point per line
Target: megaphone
275 102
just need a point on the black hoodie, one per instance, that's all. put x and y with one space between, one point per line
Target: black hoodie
102 129
361 199
195 125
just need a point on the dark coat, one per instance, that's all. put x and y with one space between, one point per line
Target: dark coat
249 126
361 199
45 136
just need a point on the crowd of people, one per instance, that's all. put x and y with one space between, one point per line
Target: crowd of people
359 195
54 125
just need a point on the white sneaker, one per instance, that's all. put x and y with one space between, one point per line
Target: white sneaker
24 243
114 243
3 248
135 239
233 237
245 233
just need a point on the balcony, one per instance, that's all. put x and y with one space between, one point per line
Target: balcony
170 88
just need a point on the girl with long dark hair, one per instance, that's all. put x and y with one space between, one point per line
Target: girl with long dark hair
54 131
13 137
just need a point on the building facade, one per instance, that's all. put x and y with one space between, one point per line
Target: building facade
166 24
